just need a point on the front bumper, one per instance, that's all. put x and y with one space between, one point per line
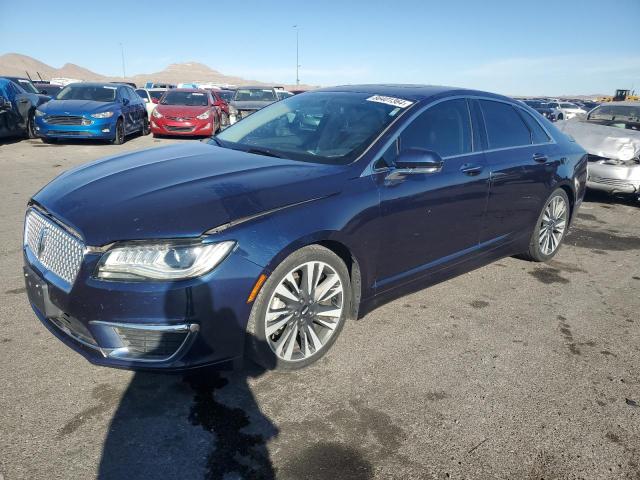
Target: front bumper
146 325
100 128
189 128
614 178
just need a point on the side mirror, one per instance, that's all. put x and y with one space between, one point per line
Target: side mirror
418 160
125 101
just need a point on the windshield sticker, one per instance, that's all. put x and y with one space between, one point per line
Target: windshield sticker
396 102
111 88
195 94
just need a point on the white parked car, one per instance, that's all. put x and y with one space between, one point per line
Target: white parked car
566 110
150 96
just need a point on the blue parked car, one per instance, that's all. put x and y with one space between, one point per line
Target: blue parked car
101 111
313 210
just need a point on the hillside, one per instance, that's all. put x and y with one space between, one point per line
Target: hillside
14 64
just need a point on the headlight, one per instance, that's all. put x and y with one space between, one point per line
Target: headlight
39 113
162 261
156 113
102 115
204 116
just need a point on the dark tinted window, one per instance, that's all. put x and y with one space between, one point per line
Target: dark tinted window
538 135
443 128
142 93
505 128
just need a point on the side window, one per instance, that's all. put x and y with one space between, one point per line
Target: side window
444 128
505 128
133 96
122 93
538 135
142 93
388 158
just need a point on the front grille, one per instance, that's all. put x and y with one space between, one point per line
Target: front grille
179 119
614 182
149 343
69 132
179 129
55 248
63 120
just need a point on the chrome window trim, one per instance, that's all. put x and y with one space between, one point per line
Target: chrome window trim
370 170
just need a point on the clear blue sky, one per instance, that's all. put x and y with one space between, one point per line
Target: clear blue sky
513 47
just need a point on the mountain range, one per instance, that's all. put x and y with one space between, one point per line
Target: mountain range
14 64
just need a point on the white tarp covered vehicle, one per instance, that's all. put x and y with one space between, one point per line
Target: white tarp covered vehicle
611 136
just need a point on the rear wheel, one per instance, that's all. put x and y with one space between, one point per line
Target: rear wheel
120 134
31 126
300 310
551 227
145 127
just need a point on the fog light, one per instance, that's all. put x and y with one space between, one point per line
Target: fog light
105 130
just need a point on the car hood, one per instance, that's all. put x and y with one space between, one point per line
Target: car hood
603 141
179 191
250 105
76 107
181 110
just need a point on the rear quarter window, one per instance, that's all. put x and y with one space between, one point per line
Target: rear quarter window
538 135
505 127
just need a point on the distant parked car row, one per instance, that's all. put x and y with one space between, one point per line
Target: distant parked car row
112 111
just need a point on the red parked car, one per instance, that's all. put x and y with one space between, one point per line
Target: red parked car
219 101
186 112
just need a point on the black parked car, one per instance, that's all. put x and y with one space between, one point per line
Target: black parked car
18 107
48 89
542 108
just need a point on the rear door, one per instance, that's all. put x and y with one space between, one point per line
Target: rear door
522 163
128 109
431 220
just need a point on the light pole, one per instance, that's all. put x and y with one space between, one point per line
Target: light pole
297 55
124 74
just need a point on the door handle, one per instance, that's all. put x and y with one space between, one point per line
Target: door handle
24 100
540 157
471 169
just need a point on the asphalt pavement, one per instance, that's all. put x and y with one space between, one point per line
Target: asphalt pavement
513 371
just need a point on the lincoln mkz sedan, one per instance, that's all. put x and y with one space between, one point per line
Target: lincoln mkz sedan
264 240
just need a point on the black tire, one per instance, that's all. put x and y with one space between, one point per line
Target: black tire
31 126
560 117
224 120
145 127
258 348
535 253
120 133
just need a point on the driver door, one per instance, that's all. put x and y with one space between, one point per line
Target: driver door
431 220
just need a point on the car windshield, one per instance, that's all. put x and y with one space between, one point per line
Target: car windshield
226 95
255 95
27 85
322 127
95 93
157 94
616 112
190 99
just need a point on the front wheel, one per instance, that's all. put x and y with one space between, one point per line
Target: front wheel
145 127
300 310
551 227
120 134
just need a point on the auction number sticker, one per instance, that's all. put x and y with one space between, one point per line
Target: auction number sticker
396 102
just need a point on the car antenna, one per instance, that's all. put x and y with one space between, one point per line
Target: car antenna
39 76
28 75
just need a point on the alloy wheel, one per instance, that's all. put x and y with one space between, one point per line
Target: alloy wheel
304 311
553 225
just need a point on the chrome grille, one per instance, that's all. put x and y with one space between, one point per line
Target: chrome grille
56 249
64 120
179 119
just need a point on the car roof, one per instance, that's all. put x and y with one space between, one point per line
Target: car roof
188 90
410 92
100 84
259 87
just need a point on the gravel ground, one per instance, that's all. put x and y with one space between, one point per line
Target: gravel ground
515 370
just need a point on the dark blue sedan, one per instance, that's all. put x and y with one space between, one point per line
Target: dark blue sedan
311 211
100 111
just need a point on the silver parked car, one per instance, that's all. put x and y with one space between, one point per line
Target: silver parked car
610 134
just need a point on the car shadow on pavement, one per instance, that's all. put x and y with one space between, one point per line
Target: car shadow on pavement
595 196
204 424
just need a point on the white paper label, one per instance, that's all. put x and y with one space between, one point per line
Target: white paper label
396 102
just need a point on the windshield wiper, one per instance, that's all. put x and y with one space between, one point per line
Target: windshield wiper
262 151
